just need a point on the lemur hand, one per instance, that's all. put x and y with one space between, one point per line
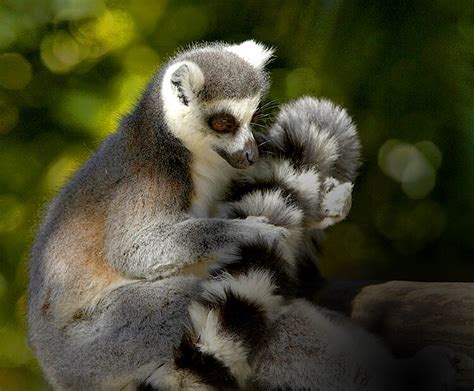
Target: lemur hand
260 225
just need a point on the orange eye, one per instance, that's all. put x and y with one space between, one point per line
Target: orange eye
223 123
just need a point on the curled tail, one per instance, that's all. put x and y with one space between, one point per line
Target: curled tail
229 319
316 139
315 133
311 154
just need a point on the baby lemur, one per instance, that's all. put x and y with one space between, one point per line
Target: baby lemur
108 298
304 179
248 328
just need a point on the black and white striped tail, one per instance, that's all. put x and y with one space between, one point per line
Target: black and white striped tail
229 319
315 133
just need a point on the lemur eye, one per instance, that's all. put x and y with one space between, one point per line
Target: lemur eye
223 123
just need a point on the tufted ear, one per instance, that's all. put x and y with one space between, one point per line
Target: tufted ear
253 52
187 80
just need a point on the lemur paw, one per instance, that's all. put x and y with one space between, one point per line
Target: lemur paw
168 378
336 202
259 225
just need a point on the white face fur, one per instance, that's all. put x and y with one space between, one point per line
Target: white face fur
191 124
198 124
190 120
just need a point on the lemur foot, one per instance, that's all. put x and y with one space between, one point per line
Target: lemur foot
336 202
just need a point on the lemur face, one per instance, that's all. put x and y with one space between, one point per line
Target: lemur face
230 131
210 96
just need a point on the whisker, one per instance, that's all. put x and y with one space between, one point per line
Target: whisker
268 103
264 142
263 115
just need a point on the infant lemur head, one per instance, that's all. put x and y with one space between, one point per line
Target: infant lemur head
210 95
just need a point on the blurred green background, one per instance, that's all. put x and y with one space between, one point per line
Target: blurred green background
70 68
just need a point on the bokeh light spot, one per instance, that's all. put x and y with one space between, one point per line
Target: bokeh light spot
7 29
12 213
422 185
115 28
431 152
8 117
77 9
60 52
406 164
15 71
415 226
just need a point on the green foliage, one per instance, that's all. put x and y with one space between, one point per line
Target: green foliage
70 68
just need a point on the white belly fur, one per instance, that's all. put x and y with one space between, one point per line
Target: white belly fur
211 176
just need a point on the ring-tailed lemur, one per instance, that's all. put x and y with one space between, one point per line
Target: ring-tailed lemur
310 154
141 208
247 328
292 185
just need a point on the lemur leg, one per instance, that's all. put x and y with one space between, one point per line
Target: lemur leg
313 349
136 330
130 333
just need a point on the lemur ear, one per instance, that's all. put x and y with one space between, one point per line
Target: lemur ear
253 52
187 80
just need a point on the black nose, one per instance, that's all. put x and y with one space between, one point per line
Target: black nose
251 152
